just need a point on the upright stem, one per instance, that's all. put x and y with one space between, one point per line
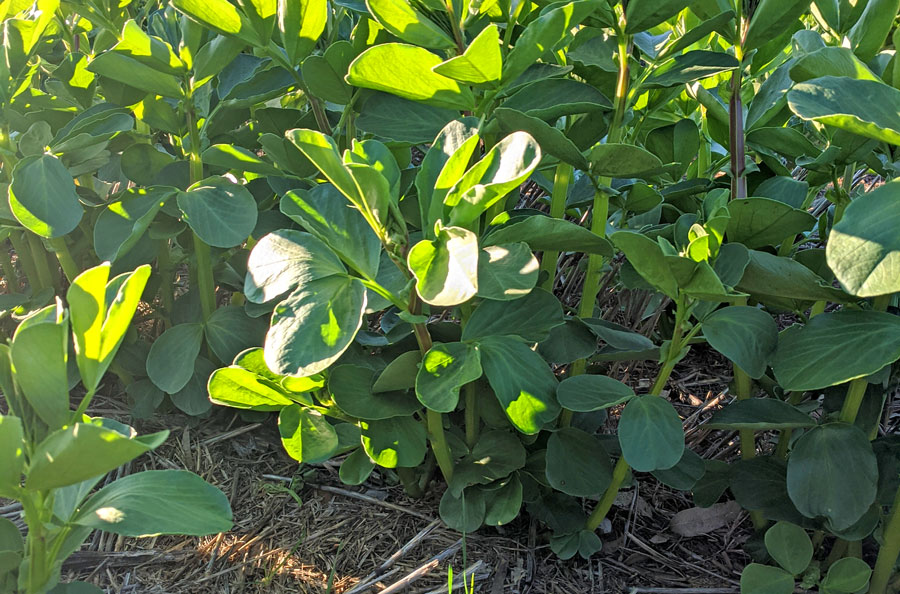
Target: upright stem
561 182
857 390
204 282
22 256
621 469
736 116
39 257
70 268
600 212
473 417
434 419
890 549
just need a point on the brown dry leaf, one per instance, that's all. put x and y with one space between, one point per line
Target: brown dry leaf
703 520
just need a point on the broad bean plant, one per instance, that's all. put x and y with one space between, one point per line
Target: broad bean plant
53 458
339 184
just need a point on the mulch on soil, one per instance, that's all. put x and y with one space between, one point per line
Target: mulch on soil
300 530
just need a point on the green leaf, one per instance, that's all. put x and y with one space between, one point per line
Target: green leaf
221 213
863 248
685 475
124 69
238 388
552 140
746 335
765 579
832 473
543 233
692 66
790 546
847 575
836 347
98 331
42 196
193 398
170 364
123 223
141 163
83 451
400 374
463 513
641 15
759 222
229 331
399 441
623 160
12 454
300 24
356 468
553 98
531 317
868 34
506 272
401 120
648 260
326 213
285 260
502 505
405 21
504 168
577 464
444 370
863 107
406 71
219 15
651 434
542 34
830 61
770 278
772 18
481 63
522 382
588 393
760 414
312 327
351 387
496 454
446 269
157 502
584 543
228 156
39 352
306 435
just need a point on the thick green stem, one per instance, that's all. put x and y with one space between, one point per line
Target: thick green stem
857 390
599 216
434 420
410 485
561 182
679 340
39 256
890 549
22 256
70 268
204 282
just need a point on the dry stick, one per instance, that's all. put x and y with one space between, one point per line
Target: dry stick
422 570
378 574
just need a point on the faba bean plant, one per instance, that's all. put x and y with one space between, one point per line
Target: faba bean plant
339 182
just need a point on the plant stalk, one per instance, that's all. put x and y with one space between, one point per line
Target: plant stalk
39 256
857 390
28 264
204 282
561 182
69 267
679 340
166 272
890 549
